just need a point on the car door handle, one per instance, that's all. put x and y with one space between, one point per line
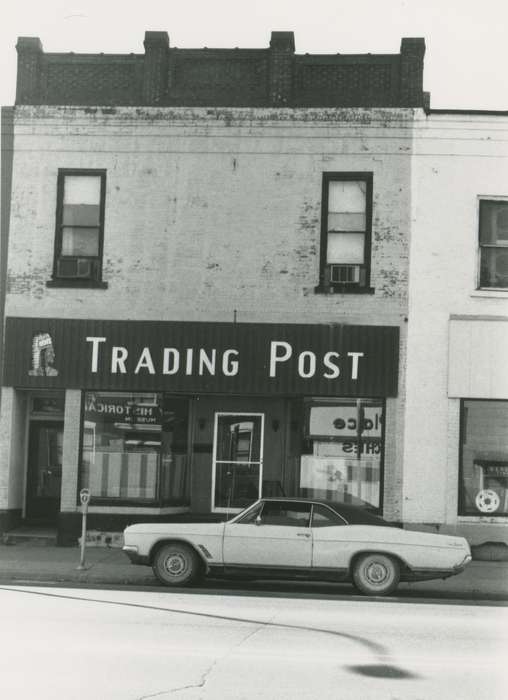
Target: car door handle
303 534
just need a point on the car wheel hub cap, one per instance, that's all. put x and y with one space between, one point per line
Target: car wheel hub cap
175 565
377 573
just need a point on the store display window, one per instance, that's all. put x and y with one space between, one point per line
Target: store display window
483 488
342 458
134 447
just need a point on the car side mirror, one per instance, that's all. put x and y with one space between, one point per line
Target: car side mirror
258 520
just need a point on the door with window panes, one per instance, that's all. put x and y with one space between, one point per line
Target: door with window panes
237 459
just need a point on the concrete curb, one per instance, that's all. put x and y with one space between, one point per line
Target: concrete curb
481 581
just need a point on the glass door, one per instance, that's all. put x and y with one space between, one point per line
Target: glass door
237 460
44 470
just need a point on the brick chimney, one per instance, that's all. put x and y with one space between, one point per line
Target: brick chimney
412 52
155 67
30 52
282 49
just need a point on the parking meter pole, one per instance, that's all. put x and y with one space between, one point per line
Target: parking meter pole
84 496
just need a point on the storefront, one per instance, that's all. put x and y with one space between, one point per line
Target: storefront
164 419
478 387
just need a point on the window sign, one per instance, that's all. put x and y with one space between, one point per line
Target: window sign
134 447
346 421
344 452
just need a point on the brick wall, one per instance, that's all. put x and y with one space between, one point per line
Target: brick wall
350 82
13 440
221 77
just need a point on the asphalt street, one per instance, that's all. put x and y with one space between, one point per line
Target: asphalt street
62 643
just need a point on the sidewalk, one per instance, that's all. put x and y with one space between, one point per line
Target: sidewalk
23 564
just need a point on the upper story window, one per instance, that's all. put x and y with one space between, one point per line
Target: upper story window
346 223
79 228
493 244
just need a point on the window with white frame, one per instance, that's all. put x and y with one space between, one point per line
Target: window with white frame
346 232
79 228
493 239
237 459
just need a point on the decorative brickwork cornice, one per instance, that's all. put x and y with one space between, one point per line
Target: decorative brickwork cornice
271 77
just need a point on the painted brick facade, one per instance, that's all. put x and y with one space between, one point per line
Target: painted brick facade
212 215
217 211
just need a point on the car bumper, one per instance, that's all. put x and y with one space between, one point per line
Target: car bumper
460 567
132 552
429 574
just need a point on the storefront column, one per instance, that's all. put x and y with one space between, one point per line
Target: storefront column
12 456
71 451
452 466
393 460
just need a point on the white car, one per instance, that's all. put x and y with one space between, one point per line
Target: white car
293 538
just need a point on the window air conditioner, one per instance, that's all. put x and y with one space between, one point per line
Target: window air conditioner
345 274
75 268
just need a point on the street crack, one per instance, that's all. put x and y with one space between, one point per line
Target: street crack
170 691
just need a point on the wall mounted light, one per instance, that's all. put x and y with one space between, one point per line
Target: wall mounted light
275 424
201 423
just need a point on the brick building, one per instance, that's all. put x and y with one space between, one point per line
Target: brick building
206 291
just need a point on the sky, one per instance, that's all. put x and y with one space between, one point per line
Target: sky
465 63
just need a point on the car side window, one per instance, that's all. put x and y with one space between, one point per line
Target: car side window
280 513
325 517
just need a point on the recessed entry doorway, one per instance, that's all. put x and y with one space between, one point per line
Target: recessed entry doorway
44 475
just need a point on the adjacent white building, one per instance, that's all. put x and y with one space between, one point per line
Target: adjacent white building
456 439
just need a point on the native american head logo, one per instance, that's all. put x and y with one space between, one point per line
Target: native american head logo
43 356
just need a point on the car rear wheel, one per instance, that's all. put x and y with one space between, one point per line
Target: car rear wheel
376 574
176 564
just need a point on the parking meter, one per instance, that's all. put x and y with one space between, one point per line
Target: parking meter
84 497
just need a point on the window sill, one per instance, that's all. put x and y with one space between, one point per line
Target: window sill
490 293
138 509
77 283
483 518
343 289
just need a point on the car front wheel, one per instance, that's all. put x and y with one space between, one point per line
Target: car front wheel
376 574
176 564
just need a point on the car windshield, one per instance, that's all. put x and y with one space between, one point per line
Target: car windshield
249 514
